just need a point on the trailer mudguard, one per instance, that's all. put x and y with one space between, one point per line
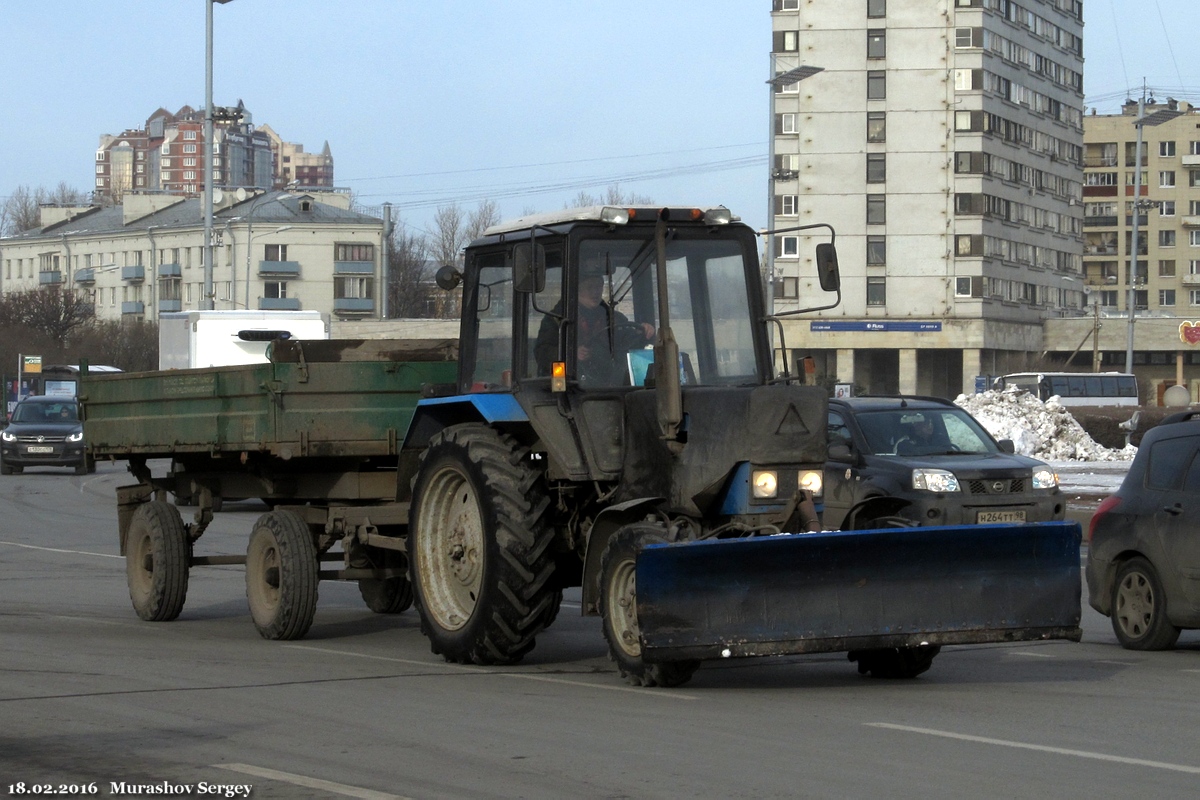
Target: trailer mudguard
852 590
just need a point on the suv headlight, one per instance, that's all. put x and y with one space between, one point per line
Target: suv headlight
1044 479
75 437
934 480
7 436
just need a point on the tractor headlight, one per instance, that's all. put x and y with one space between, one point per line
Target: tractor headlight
813 481
765 483
1044 479
75 437
934 480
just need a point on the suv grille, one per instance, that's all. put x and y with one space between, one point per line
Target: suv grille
997 486
41 439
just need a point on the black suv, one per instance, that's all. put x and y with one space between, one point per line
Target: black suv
925 461
44 432
1143 562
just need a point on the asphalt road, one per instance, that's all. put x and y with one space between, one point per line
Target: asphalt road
360 708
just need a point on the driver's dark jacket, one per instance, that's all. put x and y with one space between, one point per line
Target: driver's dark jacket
592 333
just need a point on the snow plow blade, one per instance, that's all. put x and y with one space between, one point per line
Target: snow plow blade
852 590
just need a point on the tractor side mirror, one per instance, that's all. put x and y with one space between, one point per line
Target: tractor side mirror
827 267
448 278
529 268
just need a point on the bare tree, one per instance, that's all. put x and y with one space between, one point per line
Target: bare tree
485 215
449 234
53 312
613 196
408 267
20 211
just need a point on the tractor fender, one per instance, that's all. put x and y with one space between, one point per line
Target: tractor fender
608 522
434 414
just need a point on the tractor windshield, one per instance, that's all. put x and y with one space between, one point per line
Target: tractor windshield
708 301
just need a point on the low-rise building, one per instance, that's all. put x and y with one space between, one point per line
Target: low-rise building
273 250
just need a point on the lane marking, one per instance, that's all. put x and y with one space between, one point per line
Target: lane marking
1031 655
59 550
641 692
1062 751
310 783
1123 663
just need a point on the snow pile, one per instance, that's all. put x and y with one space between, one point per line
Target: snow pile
1041 430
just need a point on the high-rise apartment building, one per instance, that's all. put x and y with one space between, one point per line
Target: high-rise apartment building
944 142
167 155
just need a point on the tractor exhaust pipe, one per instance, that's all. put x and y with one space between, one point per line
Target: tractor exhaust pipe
667 389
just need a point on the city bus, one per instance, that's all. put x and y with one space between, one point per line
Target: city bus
1075 388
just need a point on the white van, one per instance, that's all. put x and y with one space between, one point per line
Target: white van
1075 388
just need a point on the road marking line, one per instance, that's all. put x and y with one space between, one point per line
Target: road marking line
1031 655
58 550
670 695
1191 670
1123 663
310 783
1041 748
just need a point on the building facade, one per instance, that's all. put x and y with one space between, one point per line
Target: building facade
944 142
167 155
273 250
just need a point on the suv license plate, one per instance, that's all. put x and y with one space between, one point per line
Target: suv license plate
1000 516
39 448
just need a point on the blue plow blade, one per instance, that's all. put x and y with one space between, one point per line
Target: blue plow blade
854 590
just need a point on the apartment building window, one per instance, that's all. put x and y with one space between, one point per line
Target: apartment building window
189 148
788 246
1194 178
190 175
1166 297
189 134
876 167
787 5
876 126
355 252
356 287
170 289
1108 299
787 288
189 162
1141 299
966 204
1166 208
787 162
1166 179
877 85
99 169
968 244
877 250
1194 297
275 290
166 162
877 291
1130 177
876 43
1194 208
876 9
786 41
1100 179
1166 149
1194 238
1166 268
786 205
786 123
876 209
968 121
1166 238
1194 267
968 163
275 252
966 80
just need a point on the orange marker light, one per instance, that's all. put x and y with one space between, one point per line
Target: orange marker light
558 376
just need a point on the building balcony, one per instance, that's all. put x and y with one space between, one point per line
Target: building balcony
50 277
133 306
1190 280
169 305
86 275
135 273
279 303
1100 222
1143 221
289 268
1099 191
1191 222
1099 249
353 305
169 271
354 268
1100 161
1191 161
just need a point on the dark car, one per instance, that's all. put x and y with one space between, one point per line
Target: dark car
44 432
925 461
1143 561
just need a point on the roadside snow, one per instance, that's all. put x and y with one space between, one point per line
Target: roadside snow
1041 430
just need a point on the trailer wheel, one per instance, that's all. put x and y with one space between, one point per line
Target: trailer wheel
1139 608
895 662
478 549
388 596
618 610
157 552
281 576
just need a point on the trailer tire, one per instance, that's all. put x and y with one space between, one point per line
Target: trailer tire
157 552
895 662
1139 608
479 547
618 610
281 576
388 596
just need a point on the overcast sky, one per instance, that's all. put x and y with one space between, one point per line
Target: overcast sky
527 102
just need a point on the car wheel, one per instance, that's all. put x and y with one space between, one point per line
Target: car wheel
1139 608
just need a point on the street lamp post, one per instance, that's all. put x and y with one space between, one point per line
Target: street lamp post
207 300
776 82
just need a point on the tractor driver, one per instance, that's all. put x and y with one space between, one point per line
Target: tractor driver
598 361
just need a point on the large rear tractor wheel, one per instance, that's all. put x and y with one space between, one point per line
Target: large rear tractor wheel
1139 608
157 555
895 662
618 610
478 548
281 576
